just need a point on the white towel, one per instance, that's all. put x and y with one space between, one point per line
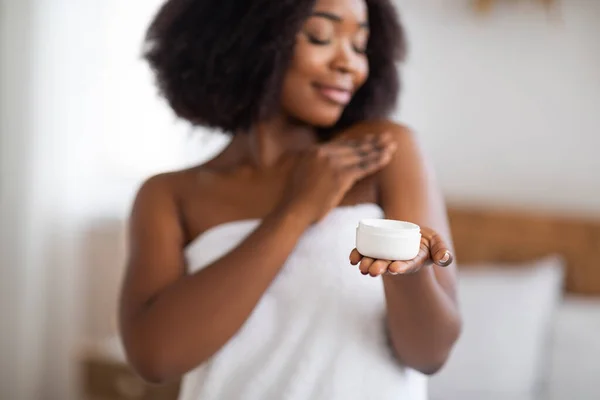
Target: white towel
317 333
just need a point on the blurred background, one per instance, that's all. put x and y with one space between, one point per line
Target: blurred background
506 102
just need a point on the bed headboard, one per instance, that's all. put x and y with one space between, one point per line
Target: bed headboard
482 235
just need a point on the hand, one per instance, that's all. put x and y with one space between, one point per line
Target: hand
324 174
433 251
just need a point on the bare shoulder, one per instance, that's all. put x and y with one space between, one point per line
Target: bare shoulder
154 192
158 185
161 195
409 162
169 185
155 206
159 189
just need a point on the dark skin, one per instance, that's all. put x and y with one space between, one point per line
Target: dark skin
172 321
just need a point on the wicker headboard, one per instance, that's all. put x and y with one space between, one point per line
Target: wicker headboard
506 236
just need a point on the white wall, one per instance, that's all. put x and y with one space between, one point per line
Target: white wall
38 120
19 284
507 105
80 127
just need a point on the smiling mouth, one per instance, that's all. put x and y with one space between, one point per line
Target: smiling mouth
333 94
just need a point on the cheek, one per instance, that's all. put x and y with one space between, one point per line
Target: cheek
362 73
309 61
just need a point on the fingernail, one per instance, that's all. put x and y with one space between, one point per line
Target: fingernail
446 259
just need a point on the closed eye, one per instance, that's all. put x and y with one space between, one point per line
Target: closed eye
360 49
314 40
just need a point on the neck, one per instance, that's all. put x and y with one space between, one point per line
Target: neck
268 141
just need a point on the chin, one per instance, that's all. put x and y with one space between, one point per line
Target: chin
322 119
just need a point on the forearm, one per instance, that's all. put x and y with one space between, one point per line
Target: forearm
422 312
423 320
196 316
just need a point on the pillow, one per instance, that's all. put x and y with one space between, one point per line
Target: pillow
507 312
575 357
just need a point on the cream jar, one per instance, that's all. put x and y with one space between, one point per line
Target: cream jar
386 239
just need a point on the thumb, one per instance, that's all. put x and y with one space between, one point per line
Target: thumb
438 248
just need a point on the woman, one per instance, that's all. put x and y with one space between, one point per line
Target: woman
238 273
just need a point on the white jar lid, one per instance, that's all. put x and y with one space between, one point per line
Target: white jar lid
389 227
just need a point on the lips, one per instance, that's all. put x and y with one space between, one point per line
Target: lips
334 94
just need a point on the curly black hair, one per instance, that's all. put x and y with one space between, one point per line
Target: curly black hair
220 63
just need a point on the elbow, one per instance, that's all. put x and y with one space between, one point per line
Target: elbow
432 363
159 362
431 368
153 369
149 360
440 357
148 355
434 357
149 367
149 374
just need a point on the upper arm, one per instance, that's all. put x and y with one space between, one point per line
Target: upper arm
155 258
409 191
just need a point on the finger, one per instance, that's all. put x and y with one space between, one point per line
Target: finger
404 267
378 140
414 265
349 147
355 257
345 138
365 264
353 148
396 268
352 142
350 157
379 267
438 249
384 139
373 164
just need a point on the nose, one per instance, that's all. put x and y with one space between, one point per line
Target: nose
345 60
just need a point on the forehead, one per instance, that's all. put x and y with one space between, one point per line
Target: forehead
347 9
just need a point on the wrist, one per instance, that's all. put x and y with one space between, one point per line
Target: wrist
415 282
293 216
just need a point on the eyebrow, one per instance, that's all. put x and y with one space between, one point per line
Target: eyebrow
335 18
